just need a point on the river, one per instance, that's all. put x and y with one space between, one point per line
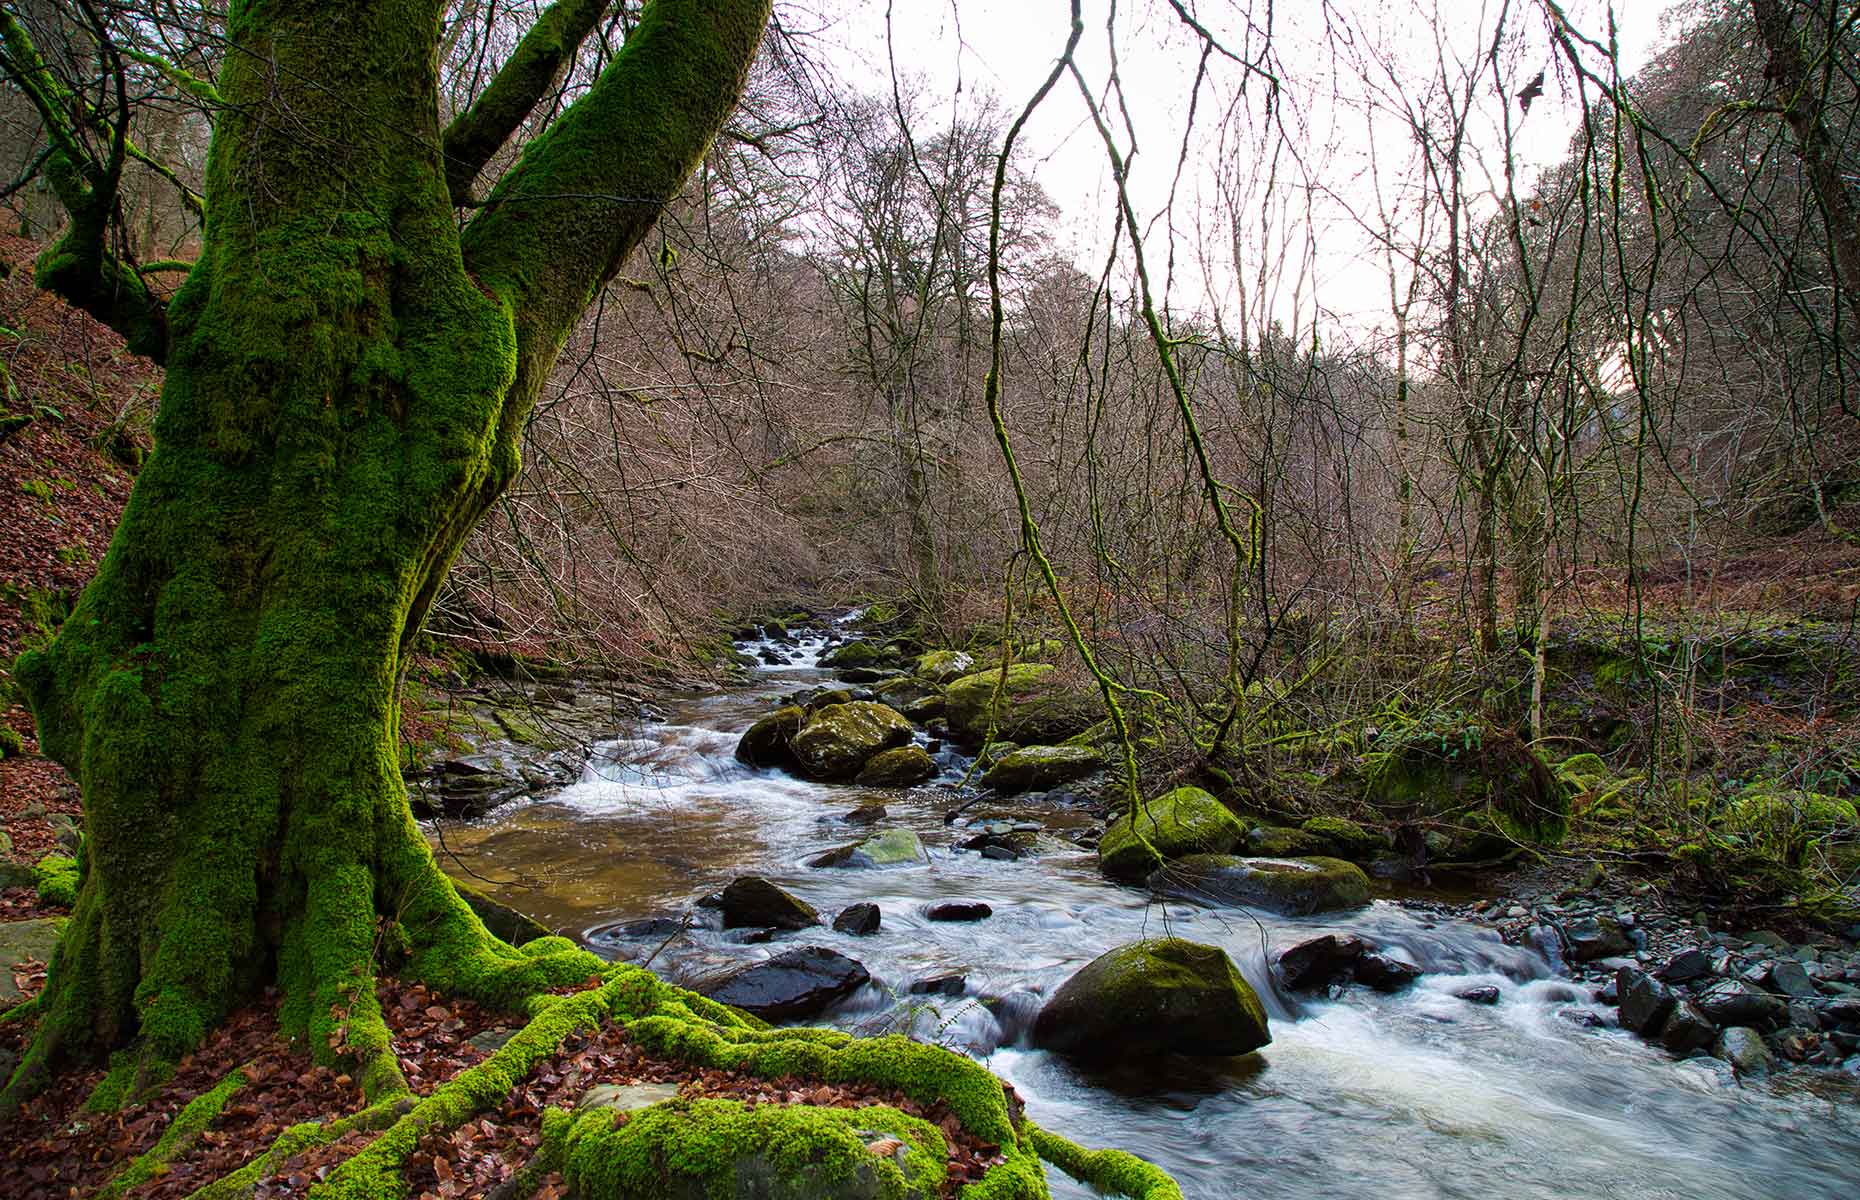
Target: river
1415 1095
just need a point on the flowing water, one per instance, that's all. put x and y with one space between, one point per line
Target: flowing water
1415 1095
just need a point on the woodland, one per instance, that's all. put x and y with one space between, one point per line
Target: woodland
1331 516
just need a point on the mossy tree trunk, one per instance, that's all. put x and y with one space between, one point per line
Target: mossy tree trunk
349 372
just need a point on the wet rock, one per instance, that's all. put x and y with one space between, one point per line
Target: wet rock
1645 1001
1796 1044
894 847
1687 1030
770 741
753 902
959 910
1386 974
1734 1002
1035 705
1346 839
1590 938
796 983
836 742
502 920
857 919
1743 1048
1042 768
1483 994
859 654
939 985
465 789
904 691
1320 961
1804 1016
1789 978
1178 823
1290 886
1150 997
866 814
1279 841
898 767
866 674
1686 966
945 666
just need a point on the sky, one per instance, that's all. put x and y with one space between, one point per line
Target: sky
1313 172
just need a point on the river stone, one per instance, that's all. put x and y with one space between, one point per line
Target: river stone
769 742
1743 1048
1386 974
21 942
1734 1002
1182 822
959 910
1788 977
867 674
1645 1001
1042 768
859 654
1485 993
1036 706
836 742
857 919
795 983
1687 1030
866 814
1590 938
625 1097
1346 839
891 848
1320 961
1163 995
1279 841
898 767
752 902
1293 887
942 666
905 691
503 921
1686 966
939 985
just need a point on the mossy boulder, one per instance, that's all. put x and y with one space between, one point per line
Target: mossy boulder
57 878
1442 768
927 709
943 666
859 654
770 741
1185 821
1037 768
905 690
752 902
1036 705
1162 995
12 745
1584 772
836 742
900 766
1346 839
893 847
1281 841
1294 887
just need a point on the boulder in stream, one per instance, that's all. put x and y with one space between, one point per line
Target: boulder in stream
959 910
1294 887
900 766
894 847
1034 705
943 666
752 902
858 919
796 983
769 742
1161 995
1041 768
836 741
1185 821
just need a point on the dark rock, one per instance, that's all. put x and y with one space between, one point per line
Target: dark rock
1686 966
1788 977
1000 853
1320 961
750 937
1610 992
1151 997
1796 1045
1292 886
1805 1016
939 985
1744 1049
857 919
1590 938
1645 1001
866 674
866 814
1842 1014
959 910
1687 1030
795 983
769 742
1385 974
1483 994
502 920
1734 1002
753 902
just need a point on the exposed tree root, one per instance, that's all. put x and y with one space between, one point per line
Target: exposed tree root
1112 1171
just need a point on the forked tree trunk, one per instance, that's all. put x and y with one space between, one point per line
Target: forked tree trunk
348 377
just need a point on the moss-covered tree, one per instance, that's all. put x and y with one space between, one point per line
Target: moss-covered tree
349 368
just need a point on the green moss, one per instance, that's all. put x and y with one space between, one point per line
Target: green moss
837 741
900 766
943 666
1042 767
12 745
1112 1172
1184 821
57 878
1347 838
181 1133
859 654
1028 703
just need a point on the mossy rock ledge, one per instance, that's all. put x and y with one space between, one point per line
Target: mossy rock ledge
1185 821
836 742
1294 887
1036 706
1037 768
1161 995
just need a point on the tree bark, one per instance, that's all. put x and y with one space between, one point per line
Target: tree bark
348 379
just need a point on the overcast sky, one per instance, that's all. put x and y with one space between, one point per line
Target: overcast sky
1006 47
